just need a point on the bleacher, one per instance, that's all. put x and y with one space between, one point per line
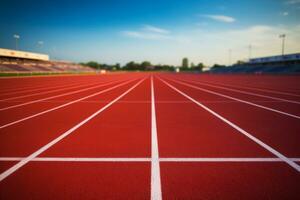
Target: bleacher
287 64
49 67
21 62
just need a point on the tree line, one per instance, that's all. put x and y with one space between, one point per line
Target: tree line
147 66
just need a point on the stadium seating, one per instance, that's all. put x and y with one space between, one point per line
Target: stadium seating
41 66
258 69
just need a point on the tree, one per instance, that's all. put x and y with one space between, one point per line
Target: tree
145 65
217 66
117 66
240 62
131 66
92 64
199 67
185 63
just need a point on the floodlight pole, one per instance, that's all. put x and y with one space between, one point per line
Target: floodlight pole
17 37
283 43
250 51
229 56
40 43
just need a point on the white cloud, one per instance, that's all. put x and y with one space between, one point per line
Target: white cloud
155 29
145 35
292 2
201 24
211 45
221 18
284 13
263 38
149 32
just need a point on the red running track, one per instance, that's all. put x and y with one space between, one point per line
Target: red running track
150 136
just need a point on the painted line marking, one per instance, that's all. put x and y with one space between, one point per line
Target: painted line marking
242 92
72 159
56 96
45 87
264 145
64 105
259 89
91 159
24 161
225 159
20 90
236 99
175 101
46 92
155 168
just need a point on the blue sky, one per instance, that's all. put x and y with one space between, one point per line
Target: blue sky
161 31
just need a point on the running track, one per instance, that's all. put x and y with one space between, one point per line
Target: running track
150 136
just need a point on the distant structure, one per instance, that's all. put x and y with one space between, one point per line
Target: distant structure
12 61
280 60
279 64
13 54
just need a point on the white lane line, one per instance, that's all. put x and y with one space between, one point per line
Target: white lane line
242 92
155 169
80 159
93 159
41 88
47 92
56 96
236 99
264 145
258 89
210 102
225 159
24 161
64 105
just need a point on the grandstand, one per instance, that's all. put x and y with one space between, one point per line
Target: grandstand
288 64
12 61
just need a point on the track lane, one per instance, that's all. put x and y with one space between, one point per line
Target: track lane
279 131
211 180
186 180
248 102
65 87
76 80
218 180
123 131
85 180
41 83
236 86
36 97
185 130
26 112
283 105
34 133
285 84
278 97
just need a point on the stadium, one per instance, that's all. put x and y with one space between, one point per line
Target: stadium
12 61
149 100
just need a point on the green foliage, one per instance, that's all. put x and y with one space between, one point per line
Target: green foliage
93 64
98 66
144 66
196 68
216 66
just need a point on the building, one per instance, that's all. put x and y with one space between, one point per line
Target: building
12 61
285 60
8 54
